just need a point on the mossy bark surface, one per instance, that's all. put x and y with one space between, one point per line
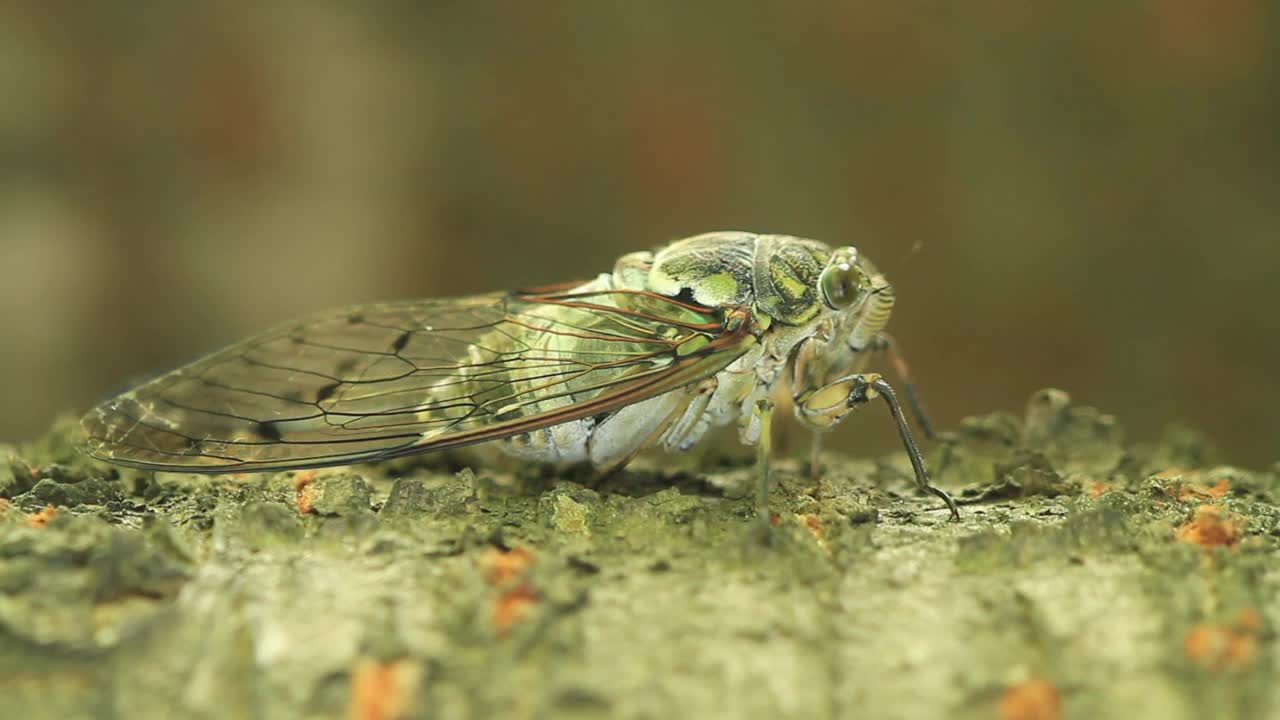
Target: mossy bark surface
1088 578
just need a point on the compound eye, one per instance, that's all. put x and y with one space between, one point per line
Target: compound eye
841 283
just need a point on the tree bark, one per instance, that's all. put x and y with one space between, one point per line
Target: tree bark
1088 578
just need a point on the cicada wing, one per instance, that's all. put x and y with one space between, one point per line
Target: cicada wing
385 380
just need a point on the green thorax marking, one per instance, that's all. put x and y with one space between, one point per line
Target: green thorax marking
777 275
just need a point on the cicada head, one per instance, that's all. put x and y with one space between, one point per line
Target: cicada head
851 286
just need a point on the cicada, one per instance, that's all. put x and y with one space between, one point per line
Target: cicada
670 344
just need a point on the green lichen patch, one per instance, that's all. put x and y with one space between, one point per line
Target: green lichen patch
337 495
78 583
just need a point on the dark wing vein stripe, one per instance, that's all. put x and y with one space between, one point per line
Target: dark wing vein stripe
232 388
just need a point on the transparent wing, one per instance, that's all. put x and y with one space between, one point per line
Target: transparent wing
385 380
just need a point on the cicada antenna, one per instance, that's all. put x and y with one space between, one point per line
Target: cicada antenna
917 248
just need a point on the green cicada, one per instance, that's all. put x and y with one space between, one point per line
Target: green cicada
669 345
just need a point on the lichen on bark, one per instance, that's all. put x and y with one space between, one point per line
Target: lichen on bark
1088 577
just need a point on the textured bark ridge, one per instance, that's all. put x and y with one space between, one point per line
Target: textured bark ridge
1089 578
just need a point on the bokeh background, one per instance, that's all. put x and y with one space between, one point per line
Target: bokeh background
1072 194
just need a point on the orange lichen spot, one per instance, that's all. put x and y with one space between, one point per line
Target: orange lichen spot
1098 488
1173 473
1218 647
304 478
42 518
1211 526
774 519
383 690
1249 619
1200 642
1241 649
814 525
1198 491
508 570
304 494
1033 699
513 606
502 565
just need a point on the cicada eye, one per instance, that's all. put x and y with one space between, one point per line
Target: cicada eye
842 280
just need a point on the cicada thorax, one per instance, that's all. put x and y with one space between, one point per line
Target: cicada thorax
774 275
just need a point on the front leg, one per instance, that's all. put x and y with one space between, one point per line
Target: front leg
824 407
812 369
886 345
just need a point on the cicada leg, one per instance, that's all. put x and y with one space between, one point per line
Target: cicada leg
762 416
884 343
826 406
815 455
764 451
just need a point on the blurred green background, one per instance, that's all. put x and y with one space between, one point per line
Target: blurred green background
1075 194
